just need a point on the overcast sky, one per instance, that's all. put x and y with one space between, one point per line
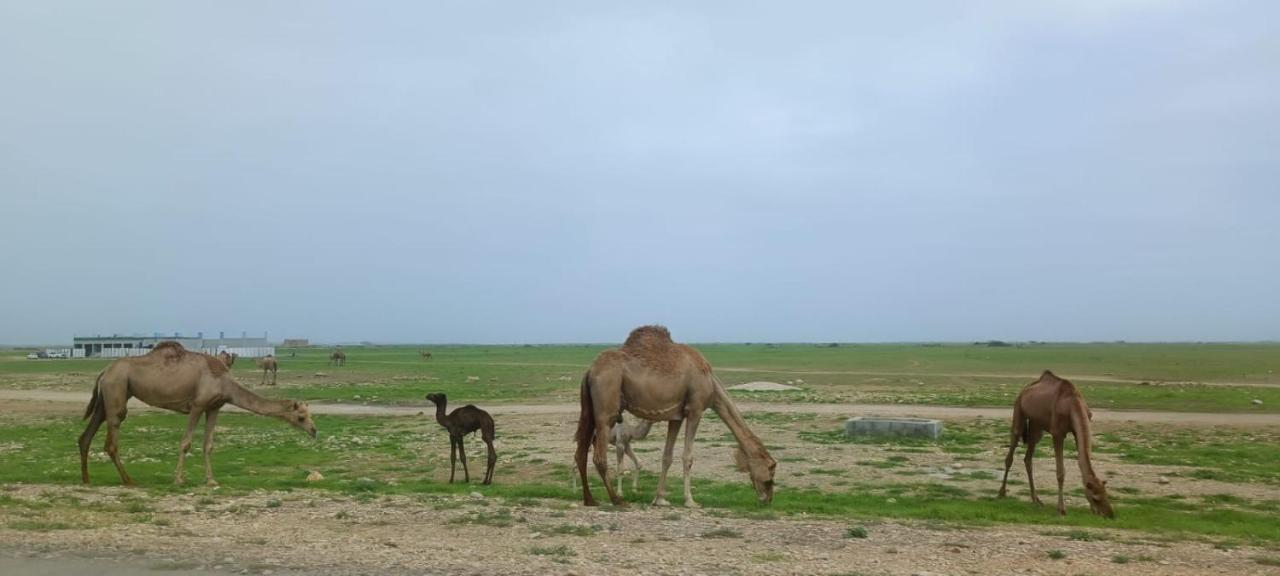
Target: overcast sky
498 172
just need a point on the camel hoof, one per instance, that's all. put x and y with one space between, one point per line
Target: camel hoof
591 502
211 483
691 504
661 502
179 481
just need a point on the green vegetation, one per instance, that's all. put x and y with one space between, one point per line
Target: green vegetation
366 458
559 551
722 532
1057 554
961 375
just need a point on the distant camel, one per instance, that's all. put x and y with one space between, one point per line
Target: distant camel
228 358
268 364
338 357
461 422
656 379
172 378
426 355
1054 404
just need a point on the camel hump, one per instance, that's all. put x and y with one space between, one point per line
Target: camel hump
168 347
647 334
1048 374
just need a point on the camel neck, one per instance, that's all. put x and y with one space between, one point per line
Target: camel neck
728 412
1084 442
440 414
242 397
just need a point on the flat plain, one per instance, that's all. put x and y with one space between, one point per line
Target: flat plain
1190 498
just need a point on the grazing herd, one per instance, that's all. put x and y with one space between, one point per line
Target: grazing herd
650 376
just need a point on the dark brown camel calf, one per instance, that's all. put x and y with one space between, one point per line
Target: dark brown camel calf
461 422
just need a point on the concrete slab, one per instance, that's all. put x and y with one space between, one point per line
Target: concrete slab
882 426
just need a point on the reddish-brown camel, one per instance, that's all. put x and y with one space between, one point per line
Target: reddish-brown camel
426 355
173 378
656 379
1055 405
459 423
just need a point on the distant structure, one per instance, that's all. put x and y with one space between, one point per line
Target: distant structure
295 343
117 346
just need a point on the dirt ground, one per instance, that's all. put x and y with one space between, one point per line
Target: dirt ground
320 532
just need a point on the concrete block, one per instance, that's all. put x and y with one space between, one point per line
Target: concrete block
881 426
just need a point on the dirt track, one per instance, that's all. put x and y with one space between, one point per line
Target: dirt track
942 412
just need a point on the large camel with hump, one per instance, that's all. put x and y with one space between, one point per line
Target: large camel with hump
1054 405
656 379
338 357
173 378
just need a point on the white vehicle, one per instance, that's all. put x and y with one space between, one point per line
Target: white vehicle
33 356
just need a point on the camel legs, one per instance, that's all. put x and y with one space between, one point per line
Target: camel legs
673 433
1058 442
690 432
622 467
635 479
273 377
453 457
600 454
210 424
113 445
493 459
1015 438
1032 440
180 475
462 455
86 439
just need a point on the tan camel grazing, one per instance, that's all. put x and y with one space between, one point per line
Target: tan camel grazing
173 378
338 357
268 364
1055 405
228 358
656 379
426 355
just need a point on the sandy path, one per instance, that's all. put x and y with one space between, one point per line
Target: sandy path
78 399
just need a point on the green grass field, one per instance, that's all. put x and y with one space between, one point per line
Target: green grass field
366 457
1178 377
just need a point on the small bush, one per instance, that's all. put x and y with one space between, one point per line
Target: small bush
556 551
856 532
1120 559
723 532
1057 554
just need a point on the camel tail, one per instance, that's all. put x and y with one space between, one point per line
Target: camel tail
587 416
1021 428
95 403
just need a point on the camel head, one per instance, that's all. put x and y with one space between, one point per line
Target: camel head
298 415
436 398
760 468
1095 491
